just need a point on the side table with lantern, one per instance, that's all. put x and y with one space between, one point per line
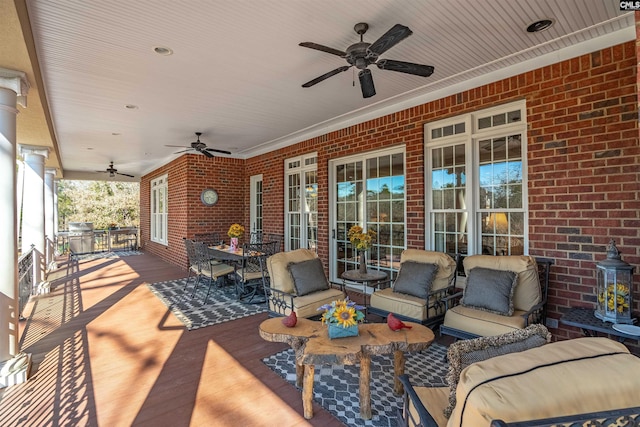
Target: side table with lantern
614 301
584 319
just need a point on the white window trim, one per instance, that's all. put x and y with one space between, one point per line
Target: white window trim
472 196
155 185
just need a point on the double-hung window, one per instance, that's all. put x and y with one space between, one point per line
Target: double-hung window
159 210
476 184
301 202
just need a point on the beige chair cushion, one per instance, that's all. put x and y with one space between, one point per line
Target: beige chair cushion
527 292
403 304
446 265
307 306
482 323
566 377
277 267
433 399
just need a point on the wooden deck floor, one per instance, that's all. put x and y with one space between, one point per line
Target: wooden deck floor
107 352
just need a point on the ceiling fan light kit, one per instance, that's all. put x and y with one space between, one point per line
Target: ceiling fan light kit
363 54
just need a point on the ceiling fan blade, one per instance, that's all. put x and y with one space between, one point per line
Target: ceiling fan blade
326 76
206 153
405 67
178 146
322 48
366 83
396 34
218 151
182 151
125 174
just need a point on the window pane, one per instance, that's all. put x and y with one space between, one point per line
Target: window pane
384 166
484 123
397 165
436 158
499 119
372 168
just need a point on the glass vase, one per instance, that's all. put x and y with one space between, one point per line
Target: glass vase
362 268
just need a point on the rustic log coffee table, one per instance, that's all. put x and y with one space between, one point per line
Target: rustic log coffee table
312 345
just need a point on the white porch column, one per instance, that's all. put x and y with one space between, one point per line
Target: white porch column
33 206
56 224
49 231
19 189
13 89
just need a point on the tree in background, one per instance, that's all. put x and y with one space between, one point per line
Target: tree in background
100 202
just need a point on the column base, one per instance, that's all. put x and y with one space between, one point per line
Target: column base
15 370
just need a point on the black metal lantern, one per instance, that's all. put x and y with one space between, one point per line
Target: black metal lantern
615 288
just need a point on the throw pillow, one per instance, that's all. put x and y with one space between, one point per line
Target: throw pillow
308 276
490 290
415 279
463 353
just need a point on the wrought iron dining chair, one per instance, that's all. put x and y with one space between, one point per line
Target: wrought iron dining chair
209 268
255 237
251 274
192 259
277 238
210 239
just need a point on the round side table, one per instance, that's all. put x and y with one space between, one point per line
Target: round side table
371 277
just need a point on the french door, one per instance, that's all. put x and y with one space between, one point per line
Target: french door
367 190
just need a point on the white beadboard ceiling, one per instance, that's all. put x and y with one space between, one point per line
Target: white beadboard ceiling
237 70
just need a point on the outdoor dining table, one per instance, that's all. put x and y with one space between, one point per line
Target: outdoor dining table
224 253
241 258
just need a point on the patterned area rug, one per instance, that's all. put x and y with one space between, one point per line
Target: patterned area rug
336 387
112 254
222 305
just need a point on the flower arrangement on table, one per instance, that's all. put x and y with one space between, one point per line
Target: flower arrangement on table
360 240
235 231
617 298
342 318
113 226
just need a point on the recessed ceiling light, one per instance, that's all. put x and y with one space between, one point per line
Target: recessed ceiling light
162 50
131 107
540 25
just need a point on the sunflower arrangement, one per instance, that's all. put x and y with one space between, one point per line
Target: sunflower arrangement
360 240
343 313
236 230
617 297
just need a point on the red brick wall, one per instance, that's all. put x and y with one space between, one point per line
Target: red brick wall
188 175
583 161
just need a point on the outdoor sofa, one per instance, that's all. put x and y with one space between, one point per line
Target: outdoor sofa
517 379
